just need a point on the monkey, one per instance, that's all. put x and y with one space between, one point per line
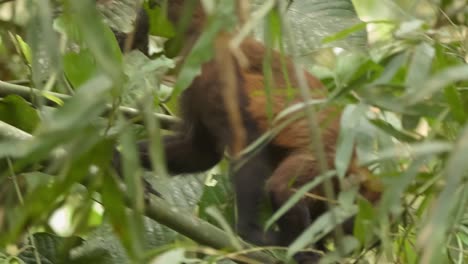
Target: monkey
282 164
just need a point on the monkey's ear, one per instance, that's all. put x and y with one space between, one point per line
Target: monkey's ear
141 35
139 38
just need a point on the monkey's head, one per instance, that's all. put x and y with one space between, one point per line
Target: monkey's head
188 18
186 15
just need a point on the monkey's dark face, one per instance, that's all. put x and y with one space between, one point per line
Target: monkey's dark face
180 9
188 19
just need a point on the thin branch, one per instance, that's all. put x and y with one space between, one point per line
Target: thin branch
225 64
27 93
19 194
5 1
317 144
11 132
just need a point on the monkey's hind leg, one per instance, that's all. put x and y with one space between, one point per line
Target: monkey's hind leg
295 170
249 182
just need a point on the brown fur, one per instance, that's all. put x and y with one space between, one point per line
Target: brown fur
206 133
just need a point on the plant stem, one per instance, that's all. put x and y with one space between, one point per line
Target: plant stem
27 93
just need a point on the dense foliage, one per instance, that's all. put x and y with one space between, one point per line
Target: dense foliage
68 95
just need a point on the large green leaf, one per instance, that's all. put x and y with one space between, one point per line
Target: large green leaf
50 248
119 14
43 41
79 67
314 20
143 74
97 36
219 193
15 111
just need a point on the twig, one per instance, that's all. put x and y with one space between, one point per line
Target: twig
317 145
224 61
5 1
27 93
11 132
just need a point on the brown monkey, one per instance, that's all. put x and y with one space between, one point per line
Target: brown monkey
284 163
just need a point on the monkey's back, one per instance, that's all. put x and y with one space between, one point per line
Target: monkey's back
284 93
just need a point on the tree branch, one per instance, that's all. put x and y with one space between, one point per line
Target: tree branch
11 132
180 221
196 229
27 93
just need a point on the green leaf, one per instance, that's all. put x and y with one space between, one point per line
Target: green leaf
297 196
71 120
415 150
102 246
345 148
218 192
182 192
436 83
132 171
51 248
420 65
203 48
314 21
321 226
17 112
363 221
159 24
410 122
123 225
43 42
119 15
351 67
143 75
51 193
456 104
391 69
79 67
439 221
221 221
391 130
345 33
37 179
87 103
25 49
97 36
